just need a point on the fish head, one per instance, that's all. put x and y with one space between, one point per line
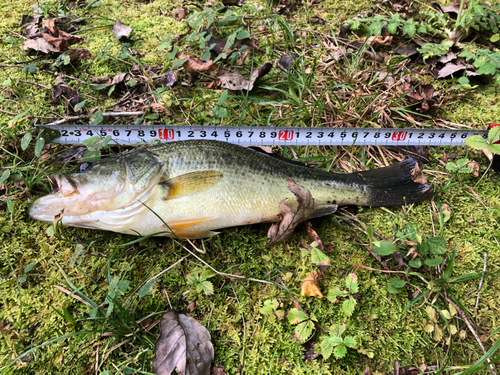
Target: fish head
95 190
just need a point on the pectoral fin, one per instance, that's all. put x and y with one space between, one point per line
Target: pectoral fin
190 183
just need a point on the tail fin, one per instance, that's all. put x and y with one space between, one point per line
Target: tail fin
395 185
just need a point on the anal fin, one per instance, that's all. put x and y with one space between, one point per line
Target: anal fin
184 228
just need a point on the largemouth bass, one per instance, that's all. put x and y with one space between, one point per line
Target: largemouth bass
198 186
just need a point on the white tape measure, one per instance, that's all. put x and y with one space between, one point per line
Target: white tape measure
256 135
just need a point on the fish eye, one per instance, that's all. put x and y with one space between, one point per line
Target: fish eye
84 167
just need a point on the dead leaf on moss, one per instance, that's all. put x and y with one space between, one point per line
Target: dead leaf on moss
309 352
158 108
183 345
310 286
179 14
121 32
58 38
283 229
475 167
194 65
31 24
219 370
168 79
236 82
285 62
375 41
61 90
313 236
76 54
39 44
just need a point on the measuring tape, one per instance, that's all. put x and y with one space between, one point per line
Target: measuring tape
256 135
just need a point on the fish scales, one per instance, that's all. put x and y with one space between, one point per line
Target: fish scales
198 186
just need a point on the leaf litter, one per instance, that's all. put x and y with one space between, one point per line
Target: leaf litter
183 345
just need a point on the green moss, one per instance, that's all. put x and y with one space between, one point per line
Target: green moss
240 333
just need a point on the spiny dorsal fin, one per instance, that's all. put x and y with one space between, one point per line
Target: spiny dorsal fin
190 183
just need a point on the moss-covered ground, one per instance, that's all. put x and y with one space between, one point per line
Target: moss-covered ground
50 276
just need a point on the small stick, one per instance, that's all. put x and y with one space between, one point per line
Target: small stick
481 281
222 273
86 117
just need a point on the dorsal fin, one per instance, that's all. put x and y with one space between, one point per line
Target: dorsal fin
190 183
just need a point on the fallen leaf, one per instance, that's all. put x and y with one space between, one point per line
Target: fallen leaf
417 175
31 24
367 371
475 167
310 286
283 229
121 32
194 65
313 236
219 370
375 41
149 70
192 306
158 108
449 69
235 80
285 62
179 14
450 56
183 345
309 353
39 44
58 38
168 79
60 90
76 54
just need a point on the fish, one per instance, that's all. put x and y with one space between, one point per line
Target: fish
190 189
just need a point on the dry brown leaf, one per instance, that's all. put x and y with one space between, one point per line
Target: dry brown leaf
183 345
219 370
179 14
63 40
39 44
417 175
285 62
236 82
310 286
376 41
121 32
168 79
158 108
283 229
51 26
475 167
76 54
313 236
194 65
309 353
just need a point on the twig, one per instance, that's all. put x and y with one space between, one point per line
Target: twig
158 275
70 294
463 315
222 273
86 117
481 281
15 114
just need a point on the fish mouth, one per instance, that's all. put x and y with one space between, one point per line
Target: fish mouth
75 203
50 207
